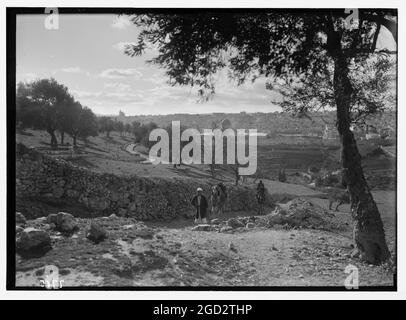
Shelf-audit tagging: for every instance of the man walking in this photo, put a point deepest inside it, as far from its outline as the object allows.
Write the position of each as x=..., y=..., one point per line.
x=199, y=201
x=261, y=188
x=260, y=197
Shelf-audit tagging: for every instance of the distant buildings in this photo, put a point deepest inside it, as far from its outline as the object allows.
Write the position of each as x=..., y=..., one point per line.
x=121, y=115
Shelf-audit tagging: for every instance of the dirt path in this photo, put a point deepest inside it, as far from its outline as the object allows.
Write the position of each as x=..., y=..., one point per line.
x=175, y=255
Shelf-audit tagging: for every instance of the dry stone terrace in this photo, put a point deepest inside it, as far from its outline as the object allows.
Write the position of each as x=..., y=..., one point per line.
x=56, y=181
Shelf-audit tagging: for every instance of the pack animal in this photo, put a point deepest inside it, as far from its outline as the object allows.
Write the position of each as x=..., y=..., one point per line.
x=338, y=195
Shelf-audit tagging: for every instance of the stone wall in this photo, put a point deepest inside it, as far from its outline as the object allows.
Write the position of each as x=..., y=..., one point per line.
x=43, y=182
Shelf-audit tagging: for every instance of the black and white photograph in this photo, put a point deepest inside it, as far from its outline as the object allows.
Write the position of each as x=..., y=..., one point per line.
x=202, y=148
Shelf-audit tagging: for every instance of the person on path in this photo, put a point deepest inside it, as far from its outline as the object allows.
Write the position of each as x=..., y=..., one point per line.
x=199, y=201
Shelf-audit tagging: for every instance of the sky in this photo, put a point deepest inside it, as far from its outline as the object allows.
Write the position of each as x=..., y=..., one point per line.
x=86, y=54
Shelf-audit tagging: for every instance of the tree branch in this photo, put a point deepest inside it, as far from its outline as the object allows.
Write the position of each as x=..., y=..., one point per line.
x=387, y=23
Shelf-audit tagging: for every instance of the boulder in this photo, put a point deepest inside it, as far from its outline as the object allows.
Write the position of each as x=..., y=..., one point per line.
x=96, y=233
x=128, y=226
x=33, y=241
x=52, y=218
x=215, y=221
x=41, y=220
x=235, y=223
x=66, y=223
x=232, y=247
x=226, y=229
x=202, y=227
x=20, y=219
x=250, y=225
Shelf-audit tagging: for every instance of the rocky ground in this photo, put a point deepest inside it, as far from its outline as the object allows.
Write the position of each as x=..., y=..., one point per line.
x=298, y=244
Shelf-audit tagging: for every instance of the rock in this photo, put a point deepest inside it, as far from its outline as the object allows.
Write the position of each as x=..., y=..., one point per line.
x=52, y=218
x=41, y=220
x=144, y=233
x=65, y=222
x=235, y=223
x=232, y=247
x=20, y=219
x=355, y=253
x=215, y=221
x=226, y=229
x=202, y=227
x=128, y=226
x=250, y=225
x=301, y=213
x=96, y=233
x=33, y=242
x=19, y=229
x=112, y=216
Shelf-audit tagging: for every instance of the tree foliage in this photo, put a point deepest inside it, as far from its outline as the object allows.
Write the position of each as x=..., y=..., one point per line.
x=47, y=105
x=193, y=47
x=372, y=80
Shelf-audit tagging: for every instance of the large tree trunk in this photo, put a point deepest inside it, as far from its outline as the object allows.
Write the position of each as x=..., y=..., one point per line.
x=54, y=141
x=62, y=137
x=369, y=234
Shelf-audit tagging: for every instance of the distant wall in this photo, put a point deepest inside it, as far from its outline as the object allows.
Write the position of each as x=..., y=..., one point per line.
x=44, y=182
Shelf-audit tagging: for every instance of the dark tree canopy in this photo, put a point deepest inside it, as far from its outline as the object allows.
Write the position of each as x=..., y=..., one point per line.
x=106, y=124
x=47, y=105
x=193, y=47
x=41, y=104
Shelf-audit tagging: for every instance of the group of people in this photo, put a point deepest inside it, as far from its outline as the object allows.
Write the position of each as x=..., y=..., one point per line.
x=199, y=201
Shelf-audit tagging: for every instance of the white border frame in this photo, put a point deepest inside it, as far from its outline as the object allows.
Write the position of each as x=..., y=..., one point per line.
x=206, y=295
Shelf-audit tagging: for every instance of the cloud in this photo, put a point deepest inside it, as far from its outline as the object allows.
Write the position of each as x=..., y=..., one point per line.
x=86, y=94
x=118, y=86
x=115, y=73
x=100, y=97
x=72, y=70
x=121, y=22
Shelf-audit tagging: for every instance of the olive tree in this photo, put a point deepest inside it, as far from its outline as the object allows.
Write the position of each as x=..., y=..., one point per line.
x=278, y=44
